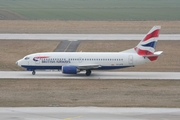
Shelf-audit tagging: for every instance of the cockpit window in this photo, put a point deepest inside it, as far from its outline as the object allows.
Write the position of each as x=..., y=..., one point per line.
x=26, y=58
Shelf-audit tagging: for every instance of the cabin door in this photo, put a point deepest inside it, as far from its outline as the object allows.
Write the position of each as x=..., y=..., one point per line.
x=130, y=59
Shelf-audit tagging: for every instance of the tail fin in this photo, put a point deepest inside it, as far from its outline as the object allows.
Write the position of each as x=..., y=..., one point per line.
x=147, y=45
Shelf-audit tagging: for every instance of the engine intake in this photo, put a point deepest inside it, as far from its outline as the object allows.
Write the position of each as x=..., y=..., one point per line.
x=69, y=69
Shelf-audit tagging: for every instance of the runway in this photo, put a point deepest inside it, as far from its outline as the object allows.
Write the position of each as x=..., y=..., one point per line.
x=94, y=75
x=74, y=37
x=89, y=113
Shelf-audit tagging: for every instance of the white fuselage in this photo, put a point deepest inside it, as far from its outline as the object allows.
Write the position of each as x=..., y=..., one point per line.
x=55, y=60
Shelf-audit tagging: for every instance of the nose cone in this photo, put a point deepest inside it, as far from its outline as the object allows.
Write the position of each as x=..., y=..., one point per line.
x=18, y=63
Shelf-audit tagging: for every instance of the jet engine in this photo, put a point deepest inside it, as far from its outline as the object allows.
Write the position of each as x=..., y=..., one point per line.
x=70, y=70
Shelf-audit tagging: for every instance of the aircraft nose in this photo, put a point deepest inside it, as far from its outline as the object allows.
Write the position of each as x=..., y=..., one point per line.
x=18, y=63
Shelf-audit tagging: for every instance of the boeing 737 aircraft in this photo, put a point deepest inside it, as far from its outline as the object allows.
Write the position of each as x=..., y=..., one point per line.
x=75, y=62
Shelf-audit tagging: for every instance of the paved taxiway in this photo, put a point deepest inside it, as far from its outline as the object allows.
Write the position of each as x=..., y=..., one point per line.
x=94, y=75
x=72, y=37
x=67, y=46
x=89, y=113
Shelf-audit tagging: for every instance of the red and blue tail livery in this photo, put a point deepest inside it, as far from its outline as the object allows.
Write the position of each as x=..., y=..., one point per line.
x=147, y=45
x=75, y=62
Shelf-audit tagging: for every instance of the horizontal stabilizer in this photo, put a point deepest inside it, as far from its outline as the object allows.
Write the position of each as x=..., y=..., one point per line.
x=154, y=55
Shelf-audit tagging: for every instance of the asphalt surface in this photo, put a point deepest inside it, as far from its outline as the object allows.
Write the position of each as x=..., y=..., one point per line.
x=72, y=46
x=74, y=37
x=62, y=46
x=67, y=46
x=89, y=113
x=94, y=75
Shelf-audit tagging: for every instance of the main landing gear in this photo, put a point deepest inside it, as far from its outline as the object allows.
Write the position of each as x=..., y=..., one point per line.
x=88, y=72
x=33, y=72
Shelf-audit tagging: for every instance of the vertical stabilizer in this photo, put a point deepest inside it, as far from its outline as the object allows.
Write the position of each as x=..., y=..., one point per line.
x=147, y=45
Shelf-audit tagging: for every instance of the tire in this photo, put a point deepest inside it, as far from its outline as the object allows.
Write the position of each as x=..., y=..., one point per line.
x=33, y=72
x=88, y=72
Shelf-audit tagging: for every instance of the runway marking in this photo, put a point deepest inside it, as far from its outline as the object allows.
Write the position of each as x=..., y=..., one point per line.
x=67, y=46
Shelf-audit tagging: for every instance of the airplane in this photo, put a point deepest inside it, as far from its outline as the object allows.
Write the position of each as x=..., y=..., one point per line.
x=75, y=62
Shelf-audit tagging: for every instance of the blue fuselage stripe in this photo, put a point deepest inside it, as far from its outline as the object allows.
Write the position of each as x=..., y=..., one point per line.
x=59, y=67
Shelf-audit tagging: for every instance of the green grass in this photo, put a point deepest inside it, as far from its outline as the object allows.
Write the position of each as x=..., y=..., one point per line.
x=94, y=9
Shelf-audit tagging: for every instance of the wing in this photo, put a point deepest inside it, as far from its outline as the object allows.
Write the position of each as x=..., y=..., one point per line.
x=88, y=66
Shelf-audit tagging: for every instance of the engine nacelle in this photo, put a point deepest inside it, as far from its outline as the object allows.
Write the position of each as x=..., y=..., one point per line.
x=69, y=69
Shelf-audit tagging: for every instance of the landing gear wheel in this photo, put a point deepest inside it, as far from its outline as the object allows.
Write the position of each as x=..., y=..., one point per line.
x=88, y=72
x=33, y=72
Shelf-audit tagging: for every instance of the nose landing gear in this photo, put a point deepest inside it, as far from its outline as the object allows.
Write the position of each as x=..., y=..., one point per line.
x=33, y=72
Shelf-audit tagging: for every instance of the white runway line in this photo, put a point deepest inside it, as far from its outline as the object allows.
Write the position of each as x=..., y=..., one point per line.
x=94, y=75
x=88, y=113
x=74, y=37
